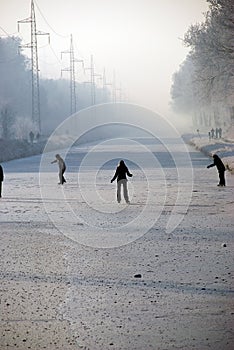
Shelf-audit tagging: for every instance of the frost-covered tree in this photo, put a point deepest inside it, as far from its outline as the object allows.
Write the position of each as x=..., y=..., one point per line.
x=181, y=89
x=7, y=120
x=16, y=90
x=212, y=57
x=15, y=77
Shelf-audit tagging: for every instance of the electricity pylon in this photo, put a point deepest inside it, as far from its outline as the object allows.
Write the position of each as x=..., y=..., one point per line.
x=36, y=118
x=120, y=93
x=104, y=86
x=114, y=88
x=71, y=69
x=92, y=81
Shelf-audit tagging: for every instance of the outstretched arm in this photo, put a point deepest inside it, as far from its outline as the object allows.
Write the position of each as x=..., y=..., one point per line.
x=128, y=173
x=115, y=176
x=210, y=166
x=54, y=161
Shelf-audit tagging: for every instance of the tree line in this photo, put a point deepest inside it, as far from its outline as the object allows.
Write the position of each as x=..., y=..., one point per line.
x=16, y=95
x=203, y=87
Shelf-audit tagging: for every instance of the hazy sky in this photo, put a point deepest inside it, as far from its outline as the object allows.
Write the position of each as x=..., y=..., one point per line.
x=140, y=39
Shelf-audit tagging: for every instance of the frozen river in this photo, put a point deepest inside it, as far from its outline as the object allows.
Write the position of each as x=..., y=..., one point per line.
x=69, y=253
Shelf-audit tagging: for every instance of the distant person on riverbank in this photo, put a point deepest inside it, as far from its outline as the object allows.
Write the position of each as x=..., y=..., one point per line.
x=198, y=133
x=31, y=137
x=1, y=180
x=212, y=133
x=220, y=133
x=120, y=174
x=62, y=168
x=220, y=167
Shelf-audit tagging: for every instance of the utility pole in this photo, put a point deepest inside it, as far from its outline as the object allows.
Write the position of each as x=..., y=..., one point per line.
x=71, y=69
x=114, y=88
x=104, y=85
x=120, y=93
x=36, y=118
x=92, y=81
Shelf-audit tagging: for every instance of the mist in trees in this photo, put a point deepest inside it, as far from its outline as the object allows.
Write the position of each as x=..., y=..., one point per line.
x=204, y=84
x=14, y=85
x=16, y=95
x=7, y=120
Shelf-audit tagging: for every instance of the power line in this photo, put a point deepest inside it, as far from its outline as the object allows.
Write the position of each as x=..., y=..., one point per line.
x=55, y=55
x=43, y=46
x=11, y=36
x=54, y=31
x=62, y=36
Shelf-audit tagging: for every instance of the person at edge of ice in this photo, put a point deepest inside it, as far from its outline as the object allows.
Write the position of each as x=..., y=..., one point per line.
x=220, y=167
x=62, y=168
x=1, y=180
x=120, y=174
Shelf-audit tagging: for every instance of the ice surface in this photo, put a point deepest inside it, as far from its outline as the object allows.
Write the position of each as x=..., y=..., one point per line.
x=66, y=285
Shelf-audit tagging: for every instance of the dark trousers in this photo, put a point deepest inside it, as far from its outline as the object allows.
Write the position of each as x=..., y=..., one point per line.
x=123, y=183
x=221, y=178
x=61, y=177
x=0, y=189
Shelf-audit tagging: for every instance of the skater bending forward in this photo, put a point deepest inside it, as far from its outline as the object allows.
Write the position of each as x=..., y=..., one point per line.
x=120, y=174
x=220, y=167
x=62, y=168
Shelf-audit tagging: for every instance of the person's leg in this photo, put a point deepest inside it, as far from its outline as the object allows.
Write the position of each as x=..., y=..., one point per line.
x=224, y=182
x=60, y=177
x=0, y=189
x=63, y=178
x=221, y=178
x=125, y=189
x=119, y=183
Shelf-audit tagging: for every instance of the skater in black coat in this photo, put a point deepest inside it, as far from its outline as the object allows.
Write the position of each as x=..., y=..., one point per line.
x=1, y=180
x=220, y=167
x=120, y=174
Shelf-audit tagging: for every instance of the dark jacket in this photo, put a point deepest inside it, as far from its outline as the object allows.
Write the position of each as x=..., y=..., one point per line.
x=218, y=163
x=1, y=174
x=121, y=172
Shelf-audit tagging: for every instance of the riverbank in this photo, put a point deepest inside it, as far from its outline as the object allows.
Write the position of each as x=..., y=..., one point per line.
x=15, y=149
x=224, y=148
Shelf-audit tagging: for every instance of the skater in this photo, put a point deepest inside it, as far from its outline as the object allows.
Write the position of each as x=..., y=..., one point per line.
x=31, y=137
x=220, y=133
x=62, y=168
x=120, y=174
x=1, y=180
x=198, y=132
x=220, y=167
x=212, y=133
